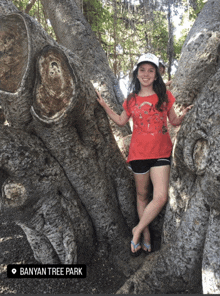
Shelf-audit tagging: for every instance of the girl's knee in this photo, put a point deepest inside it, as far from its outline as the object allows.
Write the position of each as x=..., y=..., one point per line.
x=142, y=195
x=161, y=199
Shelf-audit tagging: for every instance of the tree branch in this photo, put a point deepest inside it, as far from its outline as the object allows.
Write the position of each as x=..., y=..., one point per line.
x=29, y=6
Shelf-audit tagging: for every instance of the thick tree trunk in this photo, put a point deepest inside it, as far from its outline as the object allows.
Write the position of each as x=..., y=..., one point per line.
x=79, y=4
x=65, y=182
x=73, y=31
x=52, y=100
x=88, y=155
x=210, y=263
x=189, y=257
x=7, y=7
x=170, y=50
x=200, y=55
x=37, y=195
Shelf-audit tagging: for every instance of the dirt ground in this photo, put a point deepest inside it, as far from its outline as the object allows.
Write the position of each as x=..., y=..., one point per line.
x=102, y=277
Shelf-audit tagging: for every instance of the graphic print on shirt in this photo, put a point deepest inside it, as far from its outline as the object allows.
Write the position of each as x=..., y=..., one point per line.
x=150, y=137
x=148, y=119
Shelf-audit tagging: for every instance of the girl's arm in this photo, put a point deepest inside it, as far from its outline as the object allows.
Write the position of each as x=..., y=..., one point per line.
x=174, y=119
x=120, y=120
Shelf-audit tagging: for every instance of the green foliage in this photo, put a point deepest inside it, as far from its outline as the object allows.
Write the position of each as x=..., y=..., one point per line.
x=193, y=13
x=97, y=15
x=178, y=43
x=125, y=32
x=160, y=34
x=37, y=13
x=126, y=28
x=21, y=5
x=188, y=18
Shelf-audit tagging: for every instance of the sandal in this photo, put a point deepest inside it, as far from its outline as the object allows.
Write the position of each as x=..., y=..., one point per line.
x=148, y=247
x=138, y=252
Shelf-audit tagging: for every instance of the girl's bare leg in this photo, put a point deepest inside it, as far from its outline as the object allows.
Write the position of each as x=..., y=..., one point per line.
x=142, y=182
x=160, y=179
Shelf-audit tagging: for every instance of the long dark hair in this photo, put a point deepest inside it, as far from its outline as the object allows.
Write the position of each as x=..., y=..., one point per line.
x=158, y=86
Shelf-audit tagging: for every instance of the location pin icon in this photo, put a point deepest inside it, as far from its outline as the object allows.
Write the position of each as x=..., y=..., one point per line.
x=14, y=271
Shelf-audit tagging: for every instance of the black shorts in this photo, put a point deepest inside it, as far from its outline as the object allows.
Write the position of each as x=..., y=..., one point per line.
x=143, y=166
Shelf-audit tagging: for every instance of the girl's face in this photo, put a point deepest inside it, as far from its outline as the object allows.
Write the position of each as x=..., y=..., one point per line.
x=146, y=75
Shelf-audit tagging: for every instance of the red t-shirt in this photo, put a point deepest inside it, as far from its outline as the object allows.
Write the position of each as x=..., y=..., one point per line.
x=150, y=137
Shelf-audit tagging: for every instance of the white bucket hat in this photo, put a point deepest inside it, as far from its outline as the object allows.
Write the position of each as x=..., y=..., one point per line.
x=148, y=57
x=162, y=63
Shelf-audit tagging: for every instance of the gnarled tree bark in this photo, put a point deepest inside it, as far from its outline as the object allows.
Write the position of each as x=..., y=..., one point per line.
x=65, y=182
x=53, y=101
x=188, y=259
x=200, y=55
x=36, y=195
x=73, y=31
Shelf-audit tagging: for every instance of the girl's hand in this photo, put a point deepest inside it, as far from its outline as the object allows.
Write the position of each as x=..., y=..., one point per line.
x=100, y=99
x=121, y=120
x=174, y=119
x=185, y=110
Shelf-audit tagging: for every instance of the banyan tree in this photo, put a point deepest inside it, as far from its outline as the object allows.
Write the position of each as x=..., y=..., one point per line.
x=63, y=178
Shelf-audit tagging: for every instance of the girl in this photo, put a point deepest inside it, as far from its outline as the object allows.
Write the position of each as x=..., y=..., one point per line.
x=149, y=105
